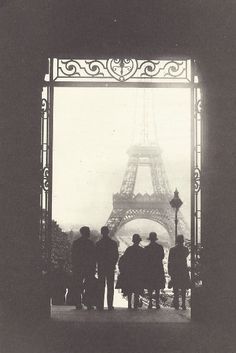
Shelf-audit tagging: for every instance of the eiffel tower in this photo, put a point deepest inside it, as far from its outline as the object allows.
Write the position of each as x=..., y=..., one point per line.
x=127, y=205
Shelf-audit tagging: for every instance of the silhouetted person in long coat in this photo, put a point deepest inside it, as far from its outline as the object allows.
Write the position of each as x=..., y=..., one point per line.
x=83, y=263
x=107, y=257
x=154, y=271
x=133, y=260
x=178, y=270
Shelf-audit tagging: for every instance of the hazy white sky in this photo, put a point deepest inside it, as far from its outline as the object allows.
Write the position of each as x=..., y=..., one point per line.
x=93, y=128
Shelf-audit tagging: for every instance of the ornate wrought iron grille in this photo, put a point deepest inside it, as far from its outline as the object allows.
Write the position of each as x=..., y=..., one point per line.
x=120, y=70
x=46, y=173
x=121, y=73
x=196, y=246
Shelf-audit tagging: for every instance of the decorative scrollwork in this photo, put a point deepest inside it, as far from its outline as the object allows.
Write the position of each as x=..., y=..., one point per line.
x=122, y=69
x=174, y=69
x=167, y=69
x=150, y=68
x=70, y=68
x=45, y=181
x=95, y=68
x=198, y=106
x=44, y=106
x=197, y=180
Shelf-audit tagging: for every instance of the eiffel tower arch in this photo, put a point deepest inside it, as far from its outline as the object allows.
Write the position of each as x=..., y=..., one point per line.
x=128, y=206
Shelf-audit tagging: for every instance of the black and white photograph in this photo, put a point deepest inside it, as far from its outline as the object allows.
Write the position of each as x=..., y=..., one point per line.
x=118, y=155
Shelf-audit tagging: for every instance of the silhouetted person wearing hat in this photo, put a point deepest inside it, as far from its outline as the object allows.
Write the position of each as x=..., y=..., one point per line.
x=83, y=264
x=178, y=270
x=107, y=257
x=154, y=271
x=133, y=271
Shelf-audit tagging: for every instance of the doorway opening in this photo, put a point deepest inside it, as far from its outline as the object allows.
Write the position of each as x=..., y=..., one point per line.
x=118, y=136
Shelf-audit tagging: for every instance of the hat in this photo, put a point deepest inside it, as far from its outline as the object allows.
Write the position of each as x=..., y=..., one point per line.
x=180, y=238
x=136, y=238
x=152, y=236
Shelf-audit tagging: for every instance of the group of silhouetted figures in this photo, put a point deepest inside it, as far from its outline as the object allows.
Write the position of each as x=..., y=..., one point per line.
x=139, y=269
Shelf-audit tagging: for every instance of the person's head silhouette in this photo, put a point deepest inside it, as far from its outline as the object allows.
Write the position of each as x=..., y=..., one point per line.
x=136, y=239
x=153, y=237
x=85, y=232
x=180, y=239
x=105, y=231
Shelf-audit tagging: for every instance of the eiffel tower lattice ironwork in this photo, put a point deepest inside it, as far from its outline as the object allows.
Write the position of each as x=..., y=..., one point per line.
x=128, y=206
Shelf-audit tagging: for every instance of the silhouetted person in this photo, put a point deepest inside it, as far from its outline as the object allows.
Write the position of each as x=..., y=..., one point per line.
x=83, y=264
x=107, y=257
x=132, y=271
x=178, y=270
x=121, y=280
x=59, y=283
x=71, y=295
x=154, y=271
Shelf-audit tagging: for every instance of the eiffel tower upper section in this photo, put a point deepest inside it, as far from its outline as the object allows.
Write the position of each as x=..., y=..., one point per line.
x=145, y=151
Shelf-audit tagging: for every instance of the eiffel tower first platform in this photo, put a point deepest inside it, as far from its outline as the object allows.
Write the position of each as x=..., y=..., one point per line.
x=128, y=206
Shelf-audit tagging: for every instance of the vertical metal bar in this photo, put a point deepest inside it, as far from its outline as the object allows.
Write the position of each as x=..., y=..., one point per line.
x=203, y=143
x=57, y=61
x=176, y=224
x=196, y=164
x=50, y=164
x=41, y=183
x=44, y=173
x=46, y=165
x=192, y=180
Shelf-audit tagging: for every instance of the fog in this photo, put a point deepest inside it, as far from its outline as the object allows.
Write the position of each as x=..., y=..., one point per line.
x=94, y=127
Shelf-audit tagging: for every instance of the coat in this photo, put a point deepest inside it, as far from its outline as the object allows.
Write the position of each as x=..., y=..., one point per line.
x=83, y=257
x=177, y=267
x=106, y=255
x=154, y=270
x=131, y=277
